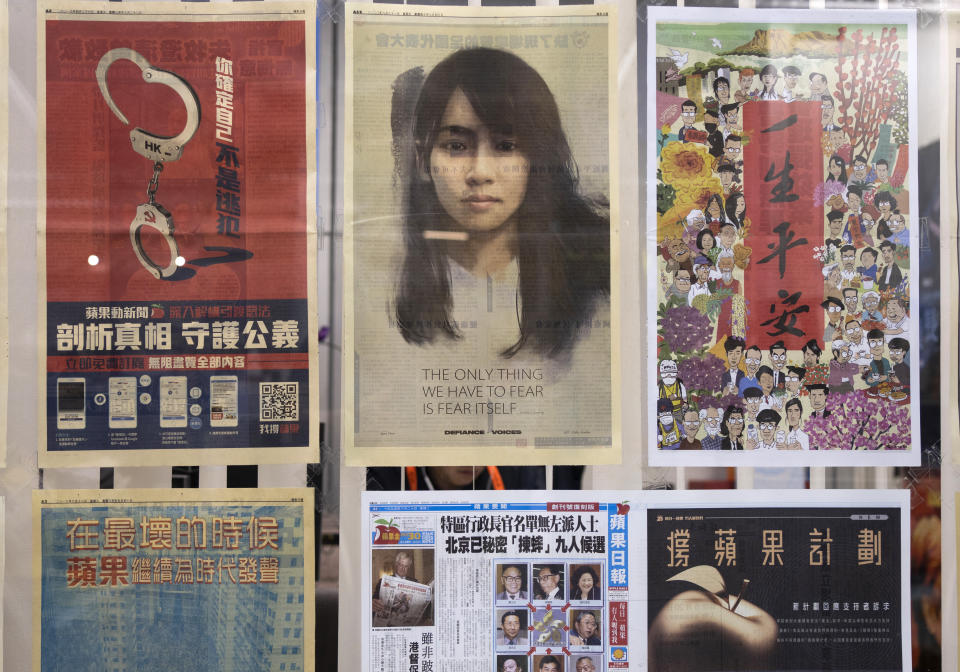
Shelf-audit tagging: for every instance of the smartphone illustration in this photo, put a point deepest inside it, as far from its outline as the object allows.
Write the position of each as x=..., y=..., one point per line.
x=71, y=403
x=224, y=411
x=173, y=401
x=123, y=403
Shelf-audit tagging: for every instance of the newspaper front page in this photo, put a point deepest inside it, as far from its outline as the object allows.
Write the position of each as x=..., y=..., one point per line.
x=782, y=239
x=481, y=236
x=177, y=246
x=598, y=581
x=162, y=579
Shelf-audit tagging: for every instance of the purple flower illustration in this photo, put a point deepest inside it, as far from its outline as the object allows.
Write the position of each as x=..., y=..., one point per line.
x=685, y=329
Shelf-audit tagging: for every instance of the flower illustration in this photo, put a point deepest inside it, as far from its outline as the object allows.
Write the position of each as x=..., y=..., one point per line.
x=685, y=329
x=685, y=163
x=702, y=373
x=861, y=422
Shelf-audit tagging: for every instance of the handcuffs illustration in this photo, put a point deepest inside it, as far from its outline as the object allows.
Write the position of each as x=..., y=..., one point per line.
x=156, y=148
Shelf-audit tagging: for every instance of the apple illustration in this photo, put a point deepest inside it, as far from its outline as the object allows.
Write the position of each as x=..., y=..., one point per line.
x=709, y=629
x=386, y=532
x=623, y=508
x=156, y=311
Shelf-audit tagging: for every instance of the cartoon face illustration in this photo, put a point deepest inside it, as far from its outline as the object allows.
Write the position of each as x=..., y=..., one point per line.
x=792, y=382
x=860, y=170
x=850, y=300
x=752, y=361
x=826, y=112
x=887, y=252
x=703, y=273
x=835, y=167
x=711, y=421
x=731, y=149
x=793, y=414
x=854, y=202
x=728, y=236
x=852, y=331
x=725, y=264
x=723, y=92
x=894, y=310
x=818, y=399
x=735, y=423
x=836, y=227
x=767, y=431
x=766, y=383
x=678, y=250
x=818, y=85
x=897, y=222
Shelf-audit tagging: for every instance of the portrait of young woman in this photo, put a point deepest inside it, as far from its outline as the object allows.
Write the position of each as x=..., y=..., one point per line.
x=495, y=195
x=481, y=263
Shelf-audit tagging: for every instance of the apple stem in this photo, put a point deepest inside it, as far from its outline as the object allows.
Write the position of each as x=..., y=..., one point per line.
x=743, y=590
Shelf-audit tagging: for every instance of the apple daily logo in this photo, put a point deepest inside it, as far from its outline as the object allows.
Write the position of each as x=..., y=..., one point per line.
x=386, y=533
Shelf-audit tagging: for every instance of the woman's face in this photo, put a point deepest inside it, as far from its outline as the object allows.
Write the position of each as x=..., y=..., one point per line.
x=479, y=173
x=707, y=242
x=741, y=205
x=768, y=79
x=835, y=168
x=585, y=583
x=713, y=209
x=884, y=208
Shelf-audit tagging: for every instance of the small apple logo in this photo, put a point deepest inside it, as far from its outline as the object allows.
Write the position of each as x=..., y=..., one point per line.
x=156, y=311
x=623, y=508
x=701, y=630
x=386, y=532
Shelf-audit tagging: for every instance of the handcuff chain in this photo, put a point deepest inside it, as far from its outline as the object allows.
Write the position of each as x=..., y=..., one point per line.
x=154, y=182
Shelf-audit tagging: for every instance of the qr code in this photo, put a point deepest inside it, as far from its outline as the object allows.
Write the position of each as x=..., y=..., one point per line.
x=280, y=402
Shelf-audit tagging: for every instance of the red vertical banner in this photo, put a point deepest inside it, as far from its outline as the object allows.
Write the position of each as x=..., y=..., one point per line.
x=782, y=164
x=618, y=624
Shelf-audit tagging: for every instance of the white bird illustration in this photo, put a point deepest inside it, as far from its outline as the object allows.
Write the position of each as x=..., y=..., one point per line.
x=716, y=42
x=679, y=59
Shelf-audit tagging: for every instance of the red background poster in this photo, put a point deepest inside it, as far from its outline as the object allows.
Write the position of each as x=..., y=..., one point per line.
x=783, y=163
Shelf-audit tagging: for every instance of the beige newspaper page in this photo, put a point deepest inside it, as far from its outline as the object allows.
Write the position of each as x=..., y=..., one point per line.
x=177, y=244
x=133, y=579
x=4, y=174
x=949, y=218
x=480, y=321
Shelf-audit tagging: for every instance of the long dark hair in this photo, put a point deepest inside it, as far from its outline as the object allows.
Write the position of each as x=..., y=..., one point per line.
x=731, y=208
x=719, y=199
x=843, y=169
x=563, y=239
x=768, y=69
x=731, y=410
